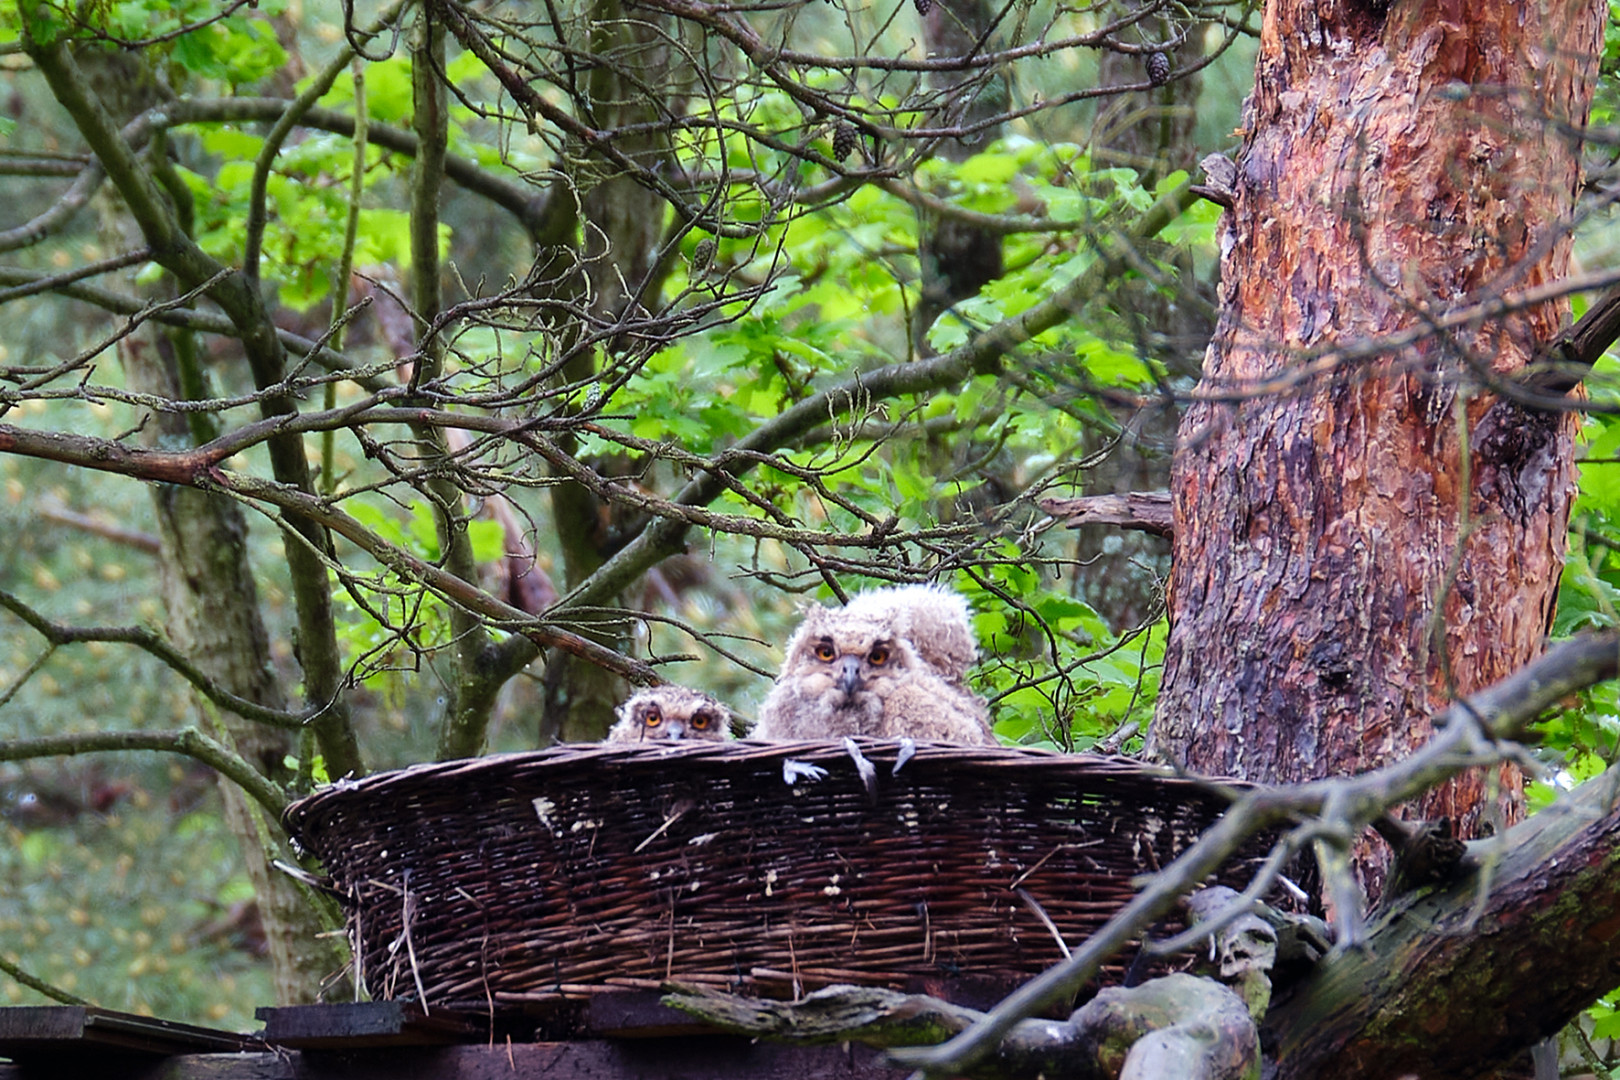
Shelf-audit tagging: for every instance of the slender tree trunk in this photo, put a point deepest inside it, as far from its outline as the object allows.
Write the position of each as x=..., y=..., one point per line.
x=1356, y=544
x=214, y=619
x=957, y=259
x=623, y=226
x=208, y=588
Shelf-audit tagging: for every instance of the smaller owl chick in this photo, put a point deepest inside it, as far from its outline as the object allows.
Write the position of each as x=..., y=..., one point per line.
x=935, y=619
x=673, y=713
x=848, y=672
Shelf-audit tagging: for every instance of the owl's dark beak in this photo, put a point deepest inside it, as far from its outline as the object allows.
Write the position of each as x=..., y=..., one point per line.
x=849, y=674
x=675, y=729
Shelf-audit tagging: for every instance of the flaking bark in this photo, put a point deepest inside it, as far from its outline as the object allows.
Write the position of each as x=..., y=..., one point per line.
x=1356, y=546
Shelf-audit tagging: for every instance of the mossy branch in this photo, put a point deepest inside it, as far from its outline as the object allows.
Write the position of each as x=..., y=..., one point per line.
x=1178, y=1026
x=1468, y=734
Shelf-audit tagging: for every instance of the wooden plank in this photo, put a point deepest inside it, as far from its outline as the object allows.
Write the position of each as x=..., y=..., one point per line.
x=29, y=1031
x=353, y=1025
x=707, y=1058
x=636, y=1014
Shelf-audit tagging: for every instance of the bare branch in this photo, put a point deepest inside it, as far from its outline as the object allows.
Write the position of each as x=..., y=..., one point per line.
x=59, y=634
x=1147, y=511
x=59, y=214
x=187, y=741
x=199, y=468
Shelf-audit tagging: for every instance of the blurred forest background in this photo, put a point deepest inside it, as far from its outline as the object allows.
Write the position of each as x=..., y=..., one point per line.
x=795, y=200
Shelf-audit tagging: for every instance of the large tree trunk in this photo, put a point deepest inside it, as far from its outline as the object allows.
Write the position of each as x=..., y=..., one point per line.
x=1355, y=545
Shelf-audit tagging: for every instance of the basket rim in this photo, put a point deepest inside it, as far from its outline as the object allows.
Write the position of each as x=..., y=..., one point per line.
x=751, y=754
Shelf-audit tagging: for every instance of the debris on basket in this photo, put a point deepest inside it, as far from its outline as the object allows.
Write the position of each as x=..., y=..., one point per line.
x=794, y=771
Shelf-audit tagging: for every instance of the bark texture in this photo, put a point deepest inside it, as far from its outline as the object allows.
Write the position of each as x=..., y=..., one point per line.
x=1398, y=162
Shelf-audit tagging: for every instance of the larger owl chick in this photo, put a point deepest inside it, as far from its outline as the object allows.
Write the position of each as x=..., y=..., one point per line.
x=935, y=619
x=671, y=713
x=849, y=672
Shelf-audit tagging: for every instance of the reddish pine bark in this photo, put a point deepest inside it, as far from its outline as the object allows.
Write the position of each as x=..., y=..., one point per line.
x=1397, y=165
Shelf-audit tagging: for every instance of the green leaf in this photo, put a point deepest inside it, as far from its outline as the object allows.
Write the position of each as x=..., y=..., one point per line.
x=487, y=539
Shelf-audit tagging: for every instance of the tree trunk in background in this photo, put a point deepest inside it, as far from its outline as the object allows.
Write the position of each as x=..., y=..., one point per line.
x=213, y=618
x=1346, y=558
x=956, y=259
x=1153, y=134
x=623, y=229
x=209, y=594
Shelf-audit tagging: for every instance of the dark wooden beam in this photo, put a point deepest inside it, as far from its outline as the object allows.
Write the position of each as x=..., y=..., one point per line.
x=355, y=1025
x=710, y=1058
x=82, y=1031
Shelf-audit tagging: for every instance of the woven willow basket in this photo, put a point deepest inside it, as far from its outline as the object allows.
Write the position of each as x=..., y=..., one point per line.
x=527, y=877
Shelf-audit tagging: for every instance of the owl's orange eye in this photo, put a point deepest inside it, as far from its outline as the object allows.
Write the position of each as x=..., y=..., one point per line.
x=653, y=718
x=702, y=720
x=878, y=656
x=826, y=653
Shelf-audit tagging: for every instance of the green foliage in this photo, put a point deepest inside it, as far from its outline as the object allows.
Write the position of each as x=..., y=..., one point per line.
x=395, y=621
x=307, y=204
x=137, y=910
x=1606, y=1016
x=183, y=33
x=1059, y=676
x=1582, y=738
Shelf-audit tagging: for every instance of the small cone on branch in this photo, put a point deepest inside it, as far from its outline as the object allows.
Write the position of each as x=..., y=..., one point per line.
x=1158, y=68
x=844, y=138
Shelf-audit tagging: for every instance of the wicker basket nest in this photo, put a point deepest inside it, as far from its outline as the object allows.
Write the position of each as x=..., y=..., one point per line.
x=537, y=876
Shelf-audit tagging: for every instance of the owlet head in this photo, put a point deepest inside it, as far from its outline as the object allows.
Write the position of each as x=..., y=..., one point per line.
x=673, y=713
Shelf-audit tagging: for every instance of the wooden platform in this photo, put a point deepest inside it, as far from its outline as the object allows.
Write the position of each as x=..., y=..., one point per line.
x=390, y=1040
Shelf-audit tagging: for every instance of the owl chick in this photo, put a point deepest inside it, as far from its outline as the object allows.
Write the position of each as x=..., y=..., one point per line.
x=673, y=713
x=851, y=672
x=933, y=618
